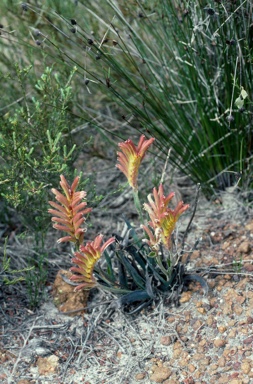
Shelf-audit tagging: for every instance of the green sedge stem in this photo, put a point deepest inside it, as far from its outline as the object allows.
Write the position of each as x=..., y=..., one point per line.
x=137, y=204
x=159, y=262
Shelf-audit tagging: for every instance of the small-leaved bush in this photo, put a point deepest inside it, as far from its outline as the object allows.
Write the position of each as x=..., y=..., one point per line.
x=36, y=144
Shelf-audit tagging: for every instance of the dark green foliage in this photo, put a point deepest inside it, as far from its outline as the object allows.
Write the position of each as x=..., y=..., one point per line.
x=140, y=279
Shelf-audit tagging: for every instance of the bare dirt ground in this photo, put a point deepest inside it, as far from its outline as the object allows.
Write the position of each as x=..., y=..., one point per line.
x=207, y=339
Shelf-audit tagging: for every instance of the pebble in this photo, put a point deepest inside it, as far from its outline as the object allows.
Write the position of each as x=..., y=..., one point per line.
x=160, y=374
x=219, y=343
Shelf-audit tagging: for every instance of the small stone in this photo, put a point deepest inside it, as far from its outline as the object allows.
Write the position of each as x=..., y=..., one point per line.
x=222, y=329
x=248, y=267
x=249, y=340
x=226, y=352
x=249, y=320
x=209, y=321
x=205, y=361
x=160, y=374
x=236, y=366
x=213, y=368
x=23, y=381
x=249, y=226
x=140, y=376
x=245, y=367
x=177, y=353
x=242, y=284
x=212, y=284
x=191, y=368
x=244, y=247
x=250, y=374
x=225, y=245
x=195, y=255
x=221, y=362
x=197, y=374
x=201, y=350
x=214, y=261
x=47, y=365
x=227, y=308
x=238, y=309
x=201, y=310
x=250, y=294
x=197, y=325
x=250, y=303
x=240, y=299
x=219, y=343
x=166, y=340
x=202, y=342
x=185, y=297
x=231, y=323
x=197, y=356
x=183, y=363
x=233, y=351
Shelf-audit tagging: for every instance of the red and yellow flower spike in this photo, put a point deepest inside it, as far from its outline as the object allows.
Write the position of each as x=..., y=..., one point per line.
x=86, y=259
x=130, y=157
x=69, y=216
x=163, y=219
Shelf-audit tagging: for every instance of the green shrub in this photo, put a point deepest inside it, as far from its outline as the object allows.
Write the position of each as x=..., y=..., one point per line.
x=35, y=145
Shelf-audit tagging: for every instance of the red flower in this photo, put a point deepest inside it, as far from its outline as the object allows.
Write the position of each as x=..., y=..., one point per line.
x=163, y=219
x=86, y=259
x=130, y=157
x=69, y=216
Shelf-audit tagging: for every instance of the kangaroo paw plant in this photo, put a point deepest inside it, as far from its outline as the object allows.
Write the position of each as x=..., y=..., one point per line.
x=140, y=270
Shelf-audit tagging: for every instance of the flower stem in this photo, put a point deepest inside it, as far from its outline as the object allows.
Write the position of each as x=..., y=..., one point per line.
x=137, y=204
x=159, y=262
